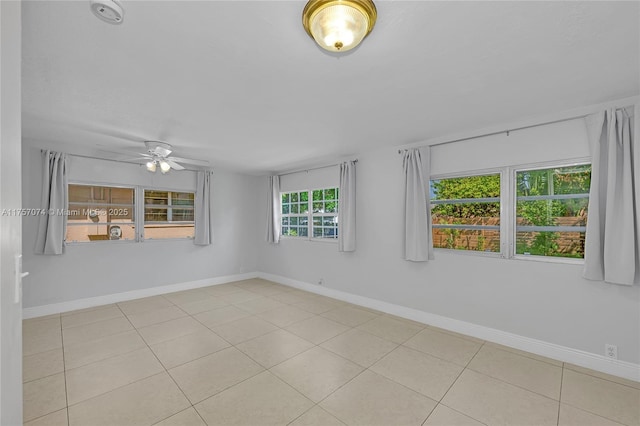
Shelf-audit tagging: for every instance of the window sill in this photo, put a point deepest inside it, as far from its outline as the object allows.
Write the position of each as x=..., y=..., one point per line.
x=312, y=240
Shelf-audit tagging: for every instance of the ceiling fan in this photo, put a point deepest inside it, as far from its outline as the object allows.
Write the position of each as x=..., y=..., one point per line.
x=158, y=155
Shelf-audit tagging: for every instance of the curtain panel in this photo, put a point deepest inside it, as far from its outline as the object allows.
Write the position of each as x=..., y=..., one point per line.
x=273, y=210
x=613, y=226
x=204, y=209
x=418, y=243
x=347, y=207
x=52, y=226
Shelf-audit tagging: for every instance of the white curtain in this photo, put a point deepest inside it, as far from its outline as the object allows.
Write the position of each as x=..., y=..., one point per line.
x=347, y=207
x=204, y=209
x=52, y=226
x=613, y=227
x=273, y=210
x=418, y=245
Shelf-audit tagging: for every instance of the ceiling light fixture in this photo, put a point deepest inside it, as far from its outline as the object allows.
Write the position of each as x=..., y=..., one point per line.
x=109, y=11
x=339, y=25
x=164, y=166
x=151, y=166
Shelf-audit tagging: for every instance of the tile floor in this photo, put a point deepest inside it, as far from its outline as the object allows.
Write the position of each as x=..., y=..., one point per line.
x=259, y=353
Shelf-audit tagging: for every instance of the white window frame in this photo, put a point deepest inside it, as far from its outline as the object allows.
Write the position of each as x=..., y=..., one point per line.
x=503, y=228
x=309, y=216
x=513, y=204
x=138, y=214
x=508, y=201
x=109, y=185
x=143, y=206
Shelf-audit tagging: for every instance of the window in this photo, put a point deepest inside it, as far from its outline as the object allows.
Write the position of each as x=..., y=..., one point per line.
x=100, y=213
x=551, y=211
x=168, y=214
x=465, y=213
x=310, y=214
x=543, y=215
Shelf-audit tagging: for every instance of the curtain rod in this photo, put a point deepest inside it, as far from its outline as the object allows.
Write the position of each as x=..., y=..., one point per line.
x=507, y=131
x=313, y=168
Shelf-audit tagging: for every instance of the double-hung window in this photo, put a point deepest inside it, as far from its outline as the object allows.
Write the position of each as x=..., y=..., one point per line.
x=551, y=211
x=100, y=212
x=465, y=212
x=168, y=214
x=310, y=214
x=523, y=212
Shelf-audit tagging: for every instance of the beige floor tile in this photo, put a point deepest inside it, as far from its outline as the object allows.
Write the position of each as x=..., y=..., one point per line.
x=90, y=308
x=604, y=376
x=147, y=304
x=41, y=327
x=96, y=330
x=349, y=316
x=188, y=348
x=316, y=305
x=57, y=418
x=444, y=415
x=492, y=401
x=292, y=297
x=214, y=373
x=416, y=370
x=275, y=347
x=391, y=329
x=32, y=345
x=571, y=416
x=169, y=330
x=91, y=316
x=262, y=304
x=156, y=316
x=41, y=336
x=360, y=347
x=103, y=376
x=203, y=305
x=285, y=316
x=316, y=417
x=188, y=417
x=219, y=290
x=270, y=290
x=526, y=354
x=42, y=365
x=243, y=329
x=371, y=399
x=262, y=400
x=106, y=347
x=221, y=316
x=125, y=406
x=598, y=396
x=240, y=296
x=44, y=317
x=43, y=396
x=445, y=346
x=317, y=329
x=186, y=296
x=460, y=335
x=317, y=372
x=528, y=373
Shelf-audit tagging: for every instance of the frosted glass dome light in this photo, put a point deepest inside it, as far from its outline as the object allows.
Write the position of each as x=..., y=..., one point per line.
x=339, y=25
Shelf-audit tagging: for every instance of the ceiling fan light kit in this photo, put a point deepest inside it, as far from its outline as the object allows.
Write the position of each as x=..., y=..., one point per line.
x=109, y=11
x=339, y=25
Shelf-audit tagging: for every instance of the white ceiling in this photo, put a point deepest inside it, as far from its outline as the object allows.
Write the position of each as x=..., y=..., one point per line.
x=241, y=84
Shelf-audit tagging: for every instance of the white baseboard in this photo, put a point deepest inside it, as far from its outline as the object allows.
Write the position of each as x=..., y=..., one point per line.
x=589, y=360
x=56, y=308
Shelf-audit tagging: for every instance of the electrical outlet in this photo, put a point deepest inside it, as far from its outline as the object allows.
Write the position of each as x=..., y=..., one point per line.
x=611, y=351
x=321, y=281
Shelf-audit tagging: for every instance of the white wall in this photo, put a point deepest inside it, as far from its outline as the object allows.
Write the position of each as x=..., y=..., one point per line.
x=103, y=268
x=539, y=300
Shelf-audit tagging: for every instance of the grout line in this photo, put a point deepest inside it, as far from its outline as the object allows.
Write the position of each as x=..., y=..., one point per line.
x=64, y=370
x=560, y=394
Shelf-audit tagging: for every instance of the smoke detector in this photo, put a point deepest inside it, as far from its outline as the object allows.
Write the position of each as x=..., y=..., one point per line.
x=109, y=11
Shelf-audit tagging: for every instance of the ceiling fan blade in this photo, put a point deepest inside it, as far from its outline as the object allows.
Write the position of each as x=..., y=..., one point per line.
x=135, y=159
x=189, y=161
x=173, y=164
